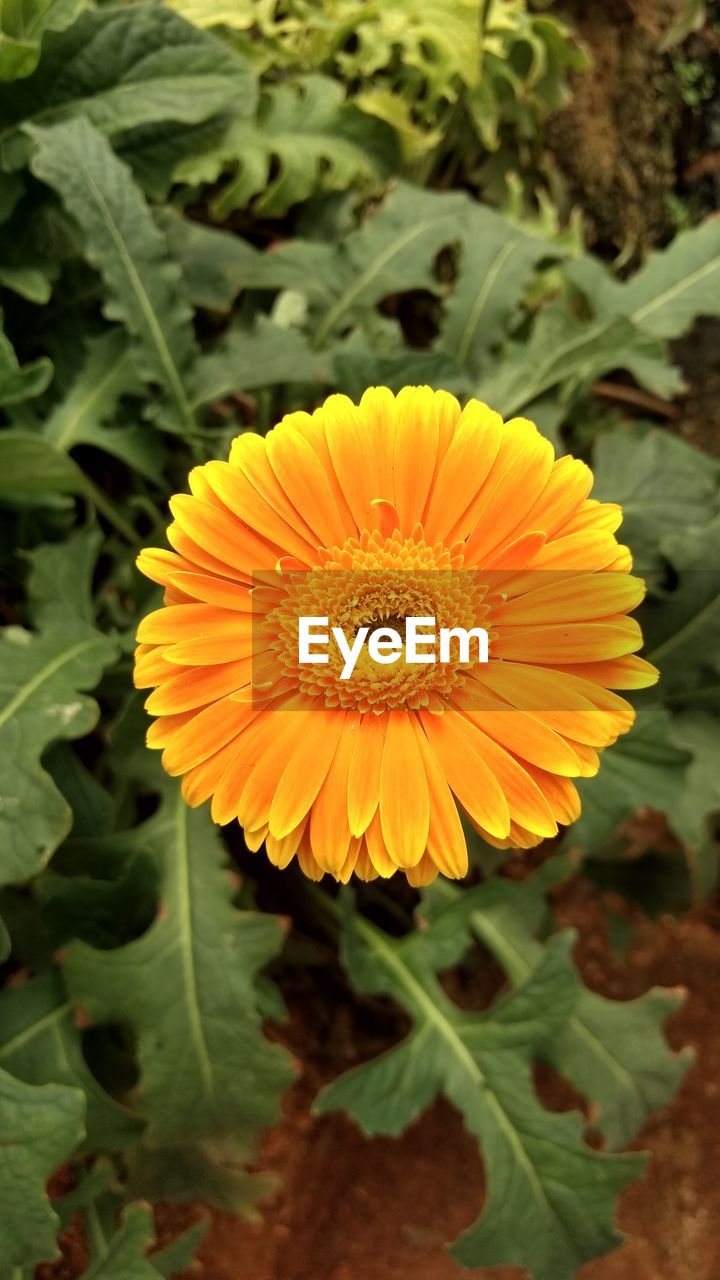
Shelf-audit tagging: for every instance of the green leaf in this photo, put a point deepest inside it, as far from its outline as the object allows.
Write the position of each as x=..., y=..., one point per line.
x=683, y=628
x=29, y=466
x=126, y=1255
x=41, y=701
x=185, y=1173
x=62, y=572
x=357, y=369
x=644, y=768
x=124, y=244
x=539, y=1172
x=105, y=375
x=108, y=373
x=392, y=252
x=40, y=1044
x=18, y=384
x=121, y=67
x=677, y=284
x=40, y=1126
x=207, y=1070
x=263, y=356
x=496, y=265
x=565, y=352
x=214, y=263
x=663, y=485
x=179, y=1254
x=305, y=139
x=27, y=282
x=693, y=813
x=22, y=26
x=612, y=1051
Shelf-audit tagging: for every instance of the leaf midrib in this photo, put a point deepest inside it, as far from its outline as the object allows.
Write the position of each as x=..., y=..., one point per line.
x=347, y=299
x=156, y=333
x=462, y=1053
x=67, y=434
x=187, y=952
x=501, y=944
x=45, y=673
x=668, y=295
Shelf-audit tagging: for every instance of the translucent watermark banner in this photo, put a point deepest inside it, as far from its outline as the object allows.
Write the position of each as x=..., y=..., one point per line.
x=534, y=640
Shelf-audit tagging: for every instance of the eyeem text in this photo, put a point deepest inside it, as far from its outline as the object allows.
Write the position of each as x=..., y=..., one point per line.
x=385, y=644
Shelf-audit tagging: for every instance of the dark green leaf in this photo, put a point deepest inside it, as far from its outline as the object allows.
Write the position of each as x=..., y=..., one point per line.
x=207, y=1069
x=179, y=1254
x=214, y=263
x=40, y=1044
x=644, y=768
x=305, y=139
x=612, y=1051
x=496, y=266
x=123, y=242
x=538, y=1169
x=16, y=383
x=662, y=484
x=22, y=26
x=120, y=67
x=40, y=1126
x=126, y=1254
x=566, y=352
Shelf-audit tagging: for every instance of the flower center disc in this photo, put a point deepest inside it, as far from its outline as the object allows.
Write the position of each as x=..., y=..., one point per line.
x=375, y=582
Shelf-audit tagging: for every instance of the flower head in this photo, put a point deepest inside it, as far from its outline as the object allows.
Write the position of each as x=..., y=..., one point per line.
x=366, y=515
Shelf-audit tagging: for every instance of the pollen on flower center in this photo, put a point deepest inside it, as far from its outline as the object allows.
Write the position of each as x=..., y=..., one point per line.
x=375, y=581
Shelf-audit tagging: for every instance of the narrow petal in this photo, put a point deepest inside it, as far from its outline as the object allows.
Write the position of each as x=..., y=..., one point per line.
x=404, y=795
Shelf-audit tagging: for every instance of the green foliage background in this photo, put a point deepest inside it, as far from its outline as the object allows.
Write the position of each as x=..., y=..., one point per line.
x=211, y=214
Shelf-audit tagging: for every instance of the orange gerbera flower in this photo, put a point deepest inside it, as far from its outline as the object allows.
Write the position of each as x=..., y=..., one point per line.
x=402, y=506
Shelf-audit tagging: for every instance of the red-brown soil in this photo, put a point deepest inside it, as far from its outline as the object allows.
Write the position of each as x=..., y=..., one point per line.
x=350, y=1208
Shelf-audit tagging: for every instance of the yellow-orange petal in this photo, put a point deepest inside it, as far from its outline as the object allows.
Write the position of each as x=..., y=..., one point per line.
x=452, y=739
x=404, y=795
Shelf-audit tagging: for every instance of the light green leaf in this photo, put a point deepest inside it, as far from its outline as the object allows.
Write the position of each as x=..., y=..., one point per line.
x=644, y=768
x=121, y=67
x=40, y=1044
x=690, y=16
x=496, y=265
x=28, y=282
x=126, y=1255
x=123, y=242
x=538, y=1169
x=29, y=466
x=612, y=1051
x=22, y=26
x=41, y=701
x=207, y=1070
x=40, y=1126
x=666, y=296
x=662, y=484
x=16, y=383
x=315, y=140
x=565, y=352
